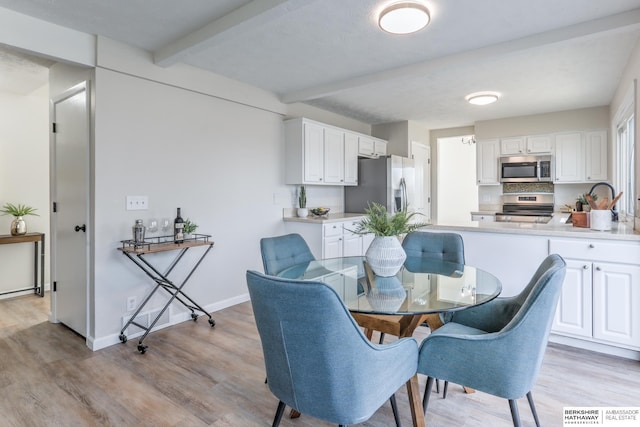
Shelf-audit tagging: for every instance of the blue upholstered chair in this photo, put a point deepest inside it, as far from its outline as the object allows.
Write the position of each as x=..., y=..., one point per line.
x=318, y=361
x=447, y=247
x=497, y=347
x=429, y=246
x=281, y=252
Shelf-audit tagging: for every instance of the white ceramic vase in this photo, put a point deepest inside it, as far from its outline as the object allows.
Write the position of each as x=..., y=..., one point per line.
x=303, y=212
x=387, y=294
x=386, y=255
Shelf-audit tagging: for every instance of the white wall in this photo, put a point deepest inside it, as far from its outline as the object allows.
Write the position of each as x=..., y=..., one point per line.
x=24, y=179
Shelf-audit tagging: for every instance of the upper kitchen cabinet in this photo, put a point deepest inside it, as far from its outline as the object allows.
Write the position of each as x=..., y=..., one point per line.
x=581, y=157
x=526, y=145
x=487, y=154
x=371, y=147
x=319, y=154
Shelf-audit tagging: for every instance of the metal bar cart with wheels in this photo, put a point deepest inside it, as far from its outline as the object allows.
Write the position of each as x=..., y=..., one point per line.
x=137, y=251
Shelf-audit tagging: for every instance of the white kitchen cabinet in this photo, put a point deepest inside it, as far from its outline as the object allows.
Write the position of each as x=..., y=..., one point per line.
x=350, y=159
x=320, y=154
x=331, y=239
x=526, y=145
x=512, y=146
x=595, y=151
x=379, y=147
x=539, y=144
x=333, y=156
x=483, y=217
x=581, y=157
x=487, y=153
x=574, y=314
x=600, y=299
x=616, y=303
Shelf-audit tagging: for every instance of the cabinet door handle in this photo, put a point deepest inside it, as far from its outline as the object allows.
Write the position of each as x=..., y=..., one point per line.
x=598, y=269
x=585, y=267
x=591, y=246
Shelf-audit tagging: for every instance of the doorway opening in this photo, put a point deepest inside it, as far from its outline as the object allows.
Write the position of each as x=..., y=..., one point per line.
x=456, y=178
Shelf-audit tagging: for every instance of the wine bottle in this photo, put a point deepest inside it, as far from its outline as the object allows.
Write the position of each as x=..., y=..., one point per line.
x=178, y=225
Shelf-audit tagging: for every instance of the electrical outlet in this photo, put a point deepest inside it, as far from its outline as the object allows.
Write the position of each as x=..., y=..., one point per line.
x=137, y=203
x=132, y=302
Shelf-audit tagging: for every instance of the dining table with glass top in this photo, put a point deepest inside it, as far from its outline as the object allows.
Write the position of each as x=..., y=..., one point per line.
x=421, y=291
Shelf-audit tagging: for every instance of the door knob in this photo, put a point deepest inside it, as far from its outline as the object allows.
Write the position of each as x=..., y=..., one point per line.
x=83, y=228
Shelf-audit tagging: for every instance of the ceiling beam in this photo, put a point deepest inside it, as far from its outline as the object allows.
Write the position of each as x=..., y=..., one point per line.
x=254, y=14
x=616, y=22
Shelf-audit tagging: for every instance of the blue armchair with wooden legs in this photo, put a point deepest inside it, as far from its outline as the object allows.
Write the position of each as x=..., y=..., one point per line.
x=318, y=361
x=497, y=347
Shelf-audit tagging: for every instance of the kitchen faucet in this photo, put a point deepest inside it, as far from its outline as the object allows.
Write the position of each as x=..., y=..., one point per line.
x=614, y=212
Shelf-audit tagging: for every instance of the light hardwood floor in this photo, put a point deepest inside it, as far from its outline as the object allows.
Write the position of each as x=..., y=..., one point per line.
x=194, y=375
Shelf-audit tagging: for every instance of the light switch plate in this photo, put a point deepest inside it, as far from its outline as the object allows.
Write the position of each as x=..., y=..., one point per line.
x=137, y=203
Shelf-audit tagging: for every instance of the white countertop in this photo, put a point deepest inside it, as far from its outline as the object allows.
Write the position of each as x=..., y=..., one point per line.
x=556, y=227
x=332, y=217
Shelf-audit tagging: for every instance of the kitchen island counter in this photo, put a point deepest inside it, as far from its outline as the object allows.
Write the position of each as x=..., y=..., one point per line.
x=332, y=217
x=557, y=227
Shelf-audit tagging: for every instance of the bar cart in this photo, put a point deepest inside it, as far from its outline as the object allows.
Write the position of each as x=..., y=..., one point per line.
x=137, y=252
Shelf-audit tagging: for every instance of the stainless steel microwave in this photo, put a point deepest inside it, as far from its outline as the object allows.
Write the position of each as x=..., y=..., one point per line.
x=526, y=169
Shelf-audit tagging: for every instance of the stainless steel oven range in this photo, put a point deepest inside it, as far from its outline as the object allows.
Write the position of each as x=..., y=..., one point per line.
x=526, y=207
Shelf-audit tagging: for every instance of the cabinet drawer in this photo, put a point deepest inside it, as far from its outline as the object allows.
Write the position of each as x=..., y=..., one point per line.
x=595, y=250
x=332, y=229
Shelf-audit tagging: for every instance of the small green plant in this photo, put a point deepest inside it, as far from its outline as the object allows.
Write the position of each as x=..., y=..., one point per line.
x=18, y=210
x=302, y=197
x=583, y=198
x=380, y=223
x=189, y=227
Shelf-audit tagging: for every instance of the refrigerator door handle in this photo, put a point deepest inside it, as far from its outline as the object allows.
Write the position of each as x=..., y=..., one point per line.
x=403, y=189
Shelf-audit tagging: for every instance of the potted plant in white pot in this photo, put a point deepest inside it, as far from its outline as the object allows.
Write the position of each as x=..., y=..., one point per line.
x=303, y=212
x=385, y=254
x=18, y=225
x=188, y=228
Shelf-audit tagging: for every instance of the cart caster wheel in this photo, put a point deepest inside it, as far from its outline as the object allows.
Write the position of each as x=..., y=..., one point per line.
x=212, y=322
x=194, y=316
x=123, y=338
x=142, y=348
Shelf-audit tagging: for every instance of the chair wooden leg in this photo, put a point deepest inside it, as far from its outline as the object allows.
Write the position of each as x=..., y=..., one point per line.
x=427, y=392
x=394, y=408
x=513, y=405
x=279, y=412
x=533, y=409
x=294, y=414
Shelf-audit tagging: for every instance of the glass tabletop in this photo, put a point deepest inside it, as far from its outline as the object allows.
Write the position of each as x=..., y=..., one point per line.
x=420, y=287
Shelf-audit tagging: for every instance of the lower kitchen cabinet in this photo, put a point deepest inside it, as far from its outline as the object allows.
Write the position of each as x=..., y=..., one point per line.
x=332, y=239
x=600, y=299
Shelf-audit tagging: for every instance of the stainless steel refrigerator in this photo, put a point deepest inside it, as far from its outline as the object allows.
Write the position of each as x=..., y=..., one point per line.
x=389, y=181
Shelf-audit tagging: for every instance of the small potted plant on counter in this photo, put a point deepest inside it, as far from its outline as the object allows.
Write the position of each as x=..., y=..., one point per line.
x=18, y=226
x=582, y=204
x=303, y=212
x=189, y=228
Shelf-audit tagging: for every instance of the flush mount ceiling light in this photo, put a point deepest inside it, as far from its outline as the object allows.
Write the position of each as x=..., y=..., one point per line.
x=482, y=98
x=404, y=18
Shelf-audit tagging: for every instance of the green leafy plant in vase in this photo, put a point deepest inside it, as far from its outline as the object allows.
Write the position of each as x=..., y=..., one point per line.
x=385, y=254
x=302, y=211
x=18, y=225
x=582, y=204
x=189, y=227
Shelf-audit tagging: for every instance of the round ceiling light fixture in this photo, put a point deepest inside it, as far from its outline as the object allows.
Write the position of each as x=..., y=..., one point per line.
x=404, y=18
x=482, y=98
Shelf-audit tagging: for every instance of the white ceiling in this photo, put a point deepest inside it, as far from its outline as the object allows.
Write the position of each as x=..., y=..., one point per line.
x=542, y=55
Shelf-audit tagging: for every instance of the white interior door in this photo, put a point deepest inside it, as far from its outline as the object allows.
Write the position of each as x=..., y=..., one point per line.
x=70, y=194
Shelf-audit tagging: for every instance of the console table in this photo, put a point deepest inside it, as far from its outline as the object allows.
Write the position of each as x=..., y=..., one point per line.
x=38, y=240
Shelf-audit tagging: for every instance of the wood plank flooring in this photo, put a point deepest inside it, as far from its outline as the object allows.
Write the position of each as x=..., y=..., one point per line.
x=194, y=375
